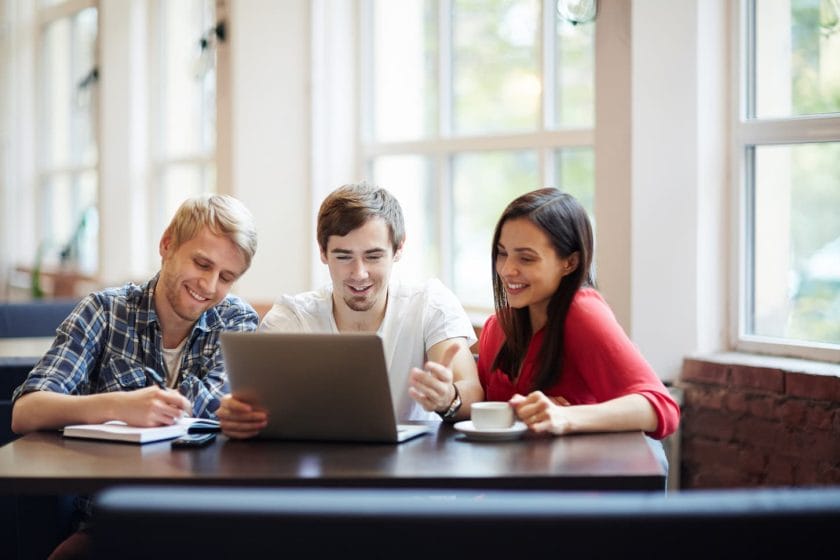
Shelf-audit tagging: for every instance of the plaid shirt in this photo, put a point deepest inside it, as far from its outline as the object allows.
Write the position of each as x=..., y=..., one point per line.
x=112, y=335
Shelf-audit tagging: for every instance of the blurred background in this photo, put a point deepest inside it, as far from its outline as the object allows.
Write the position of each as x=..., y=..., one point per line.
x=702, y=136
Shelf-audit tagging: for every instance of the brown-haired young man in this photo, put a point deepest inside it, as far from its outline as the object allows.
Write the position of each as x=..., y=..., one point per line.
x=424, y=329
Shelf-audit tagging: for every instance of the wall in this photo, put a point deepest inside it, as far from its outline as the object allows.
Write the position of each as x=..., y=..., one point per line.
x=270, y=121
x=678, y=252
x=746, y=424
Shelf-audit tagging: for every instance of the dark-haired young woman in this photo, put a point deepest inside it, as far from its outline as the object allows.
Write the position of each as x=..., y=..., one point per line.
x=554, y=348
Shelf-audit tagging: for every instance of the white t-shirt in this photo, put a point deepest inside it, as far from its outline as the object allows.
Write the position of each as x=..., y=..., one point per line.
x=416, y=318
x=172, y=359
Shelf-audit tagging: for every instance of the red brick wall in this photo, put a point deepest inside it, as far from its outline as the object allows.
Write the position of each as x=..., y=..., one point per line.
x=745, y=426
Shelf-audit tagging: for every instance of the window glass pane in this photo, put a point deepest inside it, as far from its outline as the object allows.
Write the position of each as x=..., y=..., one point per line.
x=71, y=221
x=180, y=182
x=797, y=56
x=796, y=287
x=58, y=92
x=85, y=28
x=409, y=178
x=575, y=74
x=484, y=183
x=495, y=65
x=575, y=172
x=404, y=91
x=188, y=80
x=69, y=58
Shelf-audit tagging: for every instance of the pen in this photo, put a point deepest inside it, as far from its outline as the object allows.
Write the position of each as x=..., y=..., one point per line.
x=154, y=377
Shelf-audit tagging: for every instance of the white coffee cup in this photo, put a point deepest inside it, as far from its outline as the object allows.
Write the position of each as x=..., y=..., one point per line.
x=491, y=415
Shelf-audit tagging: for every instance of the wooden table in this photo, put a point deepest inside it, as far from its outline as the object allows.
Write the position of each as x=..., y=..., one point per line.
x=45, y=463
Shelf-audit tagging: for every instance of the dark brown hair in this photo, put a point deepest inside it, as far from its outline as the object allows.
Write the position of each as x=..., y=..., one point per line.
x=567, y=226
x=349, y=207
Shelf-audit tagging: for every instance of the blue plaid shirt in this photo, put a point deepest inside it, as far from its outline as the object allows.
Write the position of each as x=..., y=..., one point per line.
x=112, y=335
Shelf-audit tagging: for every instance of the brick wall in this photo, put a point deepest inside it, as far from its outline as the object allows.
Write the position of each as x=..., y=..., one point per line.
x=745, y=425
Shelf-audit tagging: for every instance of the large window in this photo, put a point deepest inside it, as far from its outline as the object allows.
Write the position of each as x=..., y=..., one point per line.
x=467, y=104
x=184, y=105
x=67, y=139
x=788, y=148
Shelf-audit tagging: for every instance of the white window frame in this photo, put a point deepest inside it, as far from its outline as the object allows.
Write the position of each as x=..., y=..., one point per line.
x=442, y=148
x=336, y=138
x=747, y=133
x=44, y=172
x=201, y=160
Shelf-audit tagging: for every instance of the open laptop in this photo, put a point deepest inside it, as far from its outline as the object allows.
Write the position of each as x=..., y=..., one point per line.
x=327, y=387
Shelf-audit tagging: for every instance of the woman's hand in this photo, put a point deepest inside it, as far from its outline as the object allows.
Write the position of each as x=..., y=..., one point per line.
x=240, y=420
x=543, y=414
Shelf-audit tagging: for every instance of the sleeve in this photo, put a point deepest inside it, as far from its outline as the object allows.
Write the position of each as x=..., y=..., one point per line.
x=281, y=318
x=66, y=366
x=610, y=363
x=445, y=317
x=206, y=392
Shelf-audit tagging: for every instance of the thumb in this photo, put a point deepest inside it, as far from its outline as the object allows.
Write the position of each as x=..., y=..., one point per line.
x=449, y=355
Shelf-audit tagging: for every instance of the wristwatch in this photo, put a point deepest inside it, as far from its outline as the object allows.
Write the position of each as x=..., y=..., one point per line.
x=453, y=408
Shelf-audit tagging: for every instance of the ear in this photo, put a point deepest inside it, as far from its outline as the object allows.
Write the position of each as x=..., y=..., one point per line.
x=571, y=263
x=323, y=256
x=398, y=252
x=165, y=243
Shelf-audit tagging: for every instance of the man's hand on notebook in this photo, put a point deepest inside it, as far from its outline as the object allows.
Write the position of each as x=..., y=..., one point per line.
x=240, y=420
x=151, y=406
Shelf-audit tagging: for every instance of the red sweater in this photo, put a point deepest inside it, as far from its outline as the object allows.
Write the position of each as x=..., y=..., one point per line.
x=600, y=363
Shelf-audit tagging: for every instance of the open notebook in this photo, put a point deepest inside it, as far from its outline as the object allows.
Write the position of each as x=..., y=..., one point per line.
x=120, y=431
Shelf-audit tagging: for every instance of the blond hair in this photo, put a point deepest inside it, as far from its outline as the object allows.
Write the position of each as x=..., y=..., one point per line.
x=222, y=215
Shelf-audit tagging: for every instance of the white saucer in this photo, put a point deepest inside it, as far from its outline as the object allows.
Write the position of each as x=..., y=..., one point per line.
x=501, y=434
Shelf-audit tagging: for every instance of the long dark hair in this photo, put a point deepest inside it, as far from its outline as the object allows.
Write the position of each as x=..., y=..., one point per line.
x=567, y=226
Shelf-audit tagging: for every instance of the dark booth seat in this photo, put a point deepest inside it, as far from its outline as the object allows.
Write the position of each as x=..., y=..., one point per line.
x=33, y=318
x=335, y=523
x=24, y=320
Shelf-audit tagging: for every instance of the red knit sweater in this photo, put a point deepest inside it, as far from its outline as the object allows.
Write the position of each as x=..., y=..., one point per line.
x=600, y=363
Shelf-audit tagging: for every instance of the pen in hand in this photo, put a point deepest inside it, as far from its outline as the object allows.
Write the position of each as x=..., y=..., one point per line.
x=153, y=377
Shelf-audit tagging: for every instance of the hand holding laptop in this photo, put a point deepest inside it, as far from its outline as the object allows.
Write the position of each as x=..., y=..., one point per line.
x=240, y=420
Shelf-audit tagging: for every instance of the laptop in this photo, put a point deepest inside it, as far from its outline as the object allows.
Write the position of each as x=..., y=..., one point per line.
x=326, y=387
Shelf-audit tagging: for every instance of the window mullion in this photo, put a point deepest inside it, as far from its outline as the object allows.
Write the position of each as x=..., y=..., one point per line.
x=445, y=52
x=548, y=95
x=548, y=51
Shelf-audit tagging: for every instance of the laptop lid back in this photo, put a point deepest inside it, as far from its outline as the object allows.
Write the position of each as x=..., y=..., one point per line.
x=330, y=387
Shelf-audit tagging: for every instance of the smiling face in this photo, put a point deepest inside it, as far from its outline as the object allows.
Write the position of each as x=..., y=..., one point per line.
x=360, y=266
x=530, y=268
x=194, y=277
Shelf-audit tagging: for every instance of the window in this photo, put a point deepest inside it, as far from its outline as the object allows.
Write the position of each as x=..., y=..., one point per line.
x=787, y=142
x=68, y=178
x=465, y=105
x=184, y=106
